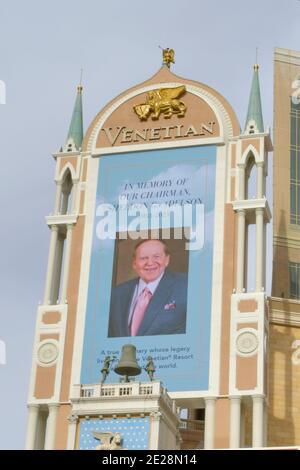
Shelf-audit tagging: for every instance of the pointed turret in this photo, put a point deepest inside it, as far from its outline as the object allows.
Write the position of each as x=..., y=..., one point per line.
x=254, y=121
x=75, y=134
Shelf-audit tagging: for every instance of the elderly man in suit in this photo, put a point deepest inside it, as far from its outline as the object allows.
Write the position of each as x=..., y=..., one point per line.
x=155, y=302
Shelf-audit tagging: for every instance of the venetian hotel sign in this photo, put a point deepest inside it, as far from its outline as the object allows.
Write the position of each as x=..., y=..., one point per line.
x=160, y=103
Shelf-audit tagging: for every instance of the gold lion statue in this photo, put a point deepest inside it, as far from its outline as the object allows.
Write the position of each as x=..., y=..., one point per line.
x=163, y=101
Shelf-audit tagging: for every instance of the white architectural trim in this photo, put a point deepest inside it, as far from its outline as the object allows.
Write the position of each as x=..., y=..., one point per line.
x=75, y=172
x=62, y=154
x=99, y=151
x=217, y=273
x=253, y=204
x=63, y=171
x=65, y=219
x=90, y=203
x=246, y=153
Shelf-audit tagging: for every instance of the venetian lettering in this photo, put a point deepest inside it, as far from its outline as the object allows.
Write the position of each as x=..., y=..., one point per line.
x=112, y=138
x=123, y=135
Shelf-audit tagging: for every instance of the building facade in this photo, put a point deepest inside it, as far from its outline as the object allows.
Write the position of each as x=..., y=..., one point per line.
x=284, y=401
x=174, y=142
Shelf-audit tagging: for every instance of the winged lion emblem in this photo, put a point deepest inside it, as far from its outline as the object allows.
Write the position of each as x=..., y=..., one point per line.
x=109, y=440
x=163, y=100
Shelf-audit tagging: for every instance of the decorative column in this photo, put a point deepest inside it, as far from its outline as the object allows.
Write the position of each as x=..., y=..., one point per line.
x=235, y=422
x=241, y=250
x=243, y=427
x=265, y=444
x=51, y=261
x=66, y=264
x=260, y=180
x=33, y=416
x=155, y=417
x=58, y=198
x=75, y=195
x=260, y=255
x=72, y=420
x=51, y=426
x=209, y=428
x=258, y=421
x=57, y=268
x=65, y=202
x=241, y=182
x=265, y=254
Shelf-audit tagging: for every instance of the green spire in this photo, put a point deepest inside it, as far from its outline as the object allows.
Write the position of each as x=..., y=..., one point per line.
x=75, y=134
x=254, y=121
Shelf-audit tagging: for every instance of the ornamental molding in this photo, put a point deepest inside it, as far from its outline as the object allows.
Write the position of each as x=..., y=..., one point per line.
x=284, y=318
x=247, y=342
x=47, y=352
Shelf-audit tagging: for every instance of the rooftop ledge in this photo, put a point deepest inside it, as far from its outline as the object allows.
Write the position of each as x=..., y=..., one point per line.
x=132, y=390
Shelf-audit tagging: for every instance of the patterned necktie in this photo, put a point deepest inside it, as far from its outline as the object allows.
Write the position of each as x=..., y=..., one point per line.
x=139, y=310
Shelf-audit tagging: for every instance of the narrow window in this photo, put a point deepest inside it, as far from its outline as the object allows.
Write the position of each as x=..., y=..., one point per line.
x=294, y=280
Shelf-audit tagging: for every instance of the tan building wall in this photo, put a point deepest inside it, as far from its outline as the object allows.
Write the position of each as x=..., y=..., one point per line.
x=284, y=378
x=286, y=236
x=284, y=331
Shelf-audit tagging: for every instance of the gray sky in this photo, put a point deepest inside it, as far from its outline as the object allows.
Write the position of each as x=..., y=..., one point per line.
x=43, y=46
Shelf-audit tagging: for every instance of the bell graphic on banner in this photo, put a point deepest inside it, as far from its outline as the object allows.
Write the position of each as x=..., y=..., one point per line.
x=128, y=365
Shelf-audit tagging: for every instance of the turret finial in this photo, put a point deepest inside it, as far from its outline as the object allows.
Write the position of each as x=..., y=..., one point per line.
x=168, y=56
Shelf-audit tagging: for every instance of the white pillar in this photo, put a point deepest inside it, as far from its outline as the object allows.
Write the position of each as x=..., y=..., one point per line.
x=265, y=255
x=57, y=268
x=243, y=426
x=235, y=422
x=260, y=180
x=241, y=182
x=66, y=264
x=58, y=198
x=258, y=421
x=74, y=195
x=33, y=416
x=241, y=251
x=72, y=420
x=51, y=260
x=265, y=424
x=154, y=435
x=209, y=426
x=260, y=255
x=51, y=427
x=65, y=202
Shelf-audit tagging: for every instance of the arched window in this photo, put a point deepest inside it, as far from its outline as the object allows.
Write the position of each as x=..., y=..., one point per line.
x=66, y=195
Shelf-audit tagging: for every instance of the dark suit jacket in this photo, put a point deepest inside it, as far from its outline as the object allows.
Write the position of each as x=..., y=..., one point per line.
x=165, y=314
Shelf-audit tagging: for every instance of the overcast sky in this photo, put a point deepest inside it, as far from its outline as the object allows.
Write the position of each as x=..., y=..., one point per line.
x=43, y=46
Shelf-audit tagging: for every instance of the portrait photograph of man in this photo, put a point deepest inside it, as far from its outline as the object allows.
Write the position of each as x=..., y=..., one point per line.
x=154, y=300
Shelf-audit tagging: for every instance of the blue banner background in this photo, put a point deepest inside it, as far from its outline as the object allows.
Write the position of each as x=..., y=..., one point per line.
x=192, y=369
